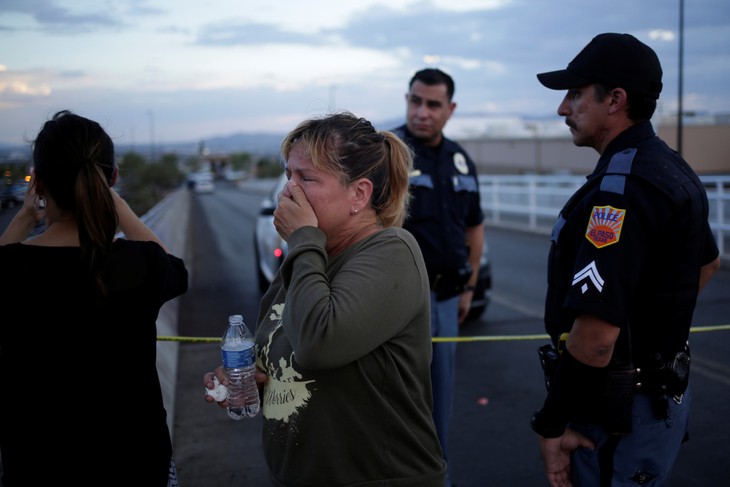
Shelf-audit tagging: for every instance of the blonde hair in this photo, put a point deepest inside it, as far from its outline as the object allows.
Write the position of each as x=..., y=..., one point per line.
x=351, y=148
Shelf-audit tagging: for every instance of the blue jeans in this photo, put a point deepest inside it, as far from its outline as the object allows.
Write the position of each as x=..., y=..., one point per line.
x=649, y=451
x=444, y=323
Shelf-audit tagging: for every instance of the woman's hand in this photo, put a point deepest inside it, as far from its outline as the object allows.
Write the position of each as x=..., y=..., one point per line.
x=293, y=211
x=210, y=385
x=34, y=205
x=131, y=225
x=261, y=378
x=209, y=382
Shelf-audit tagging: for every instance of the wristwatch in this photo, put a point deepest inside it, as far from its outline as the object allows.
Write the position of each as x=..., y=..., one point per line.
x=470, y=288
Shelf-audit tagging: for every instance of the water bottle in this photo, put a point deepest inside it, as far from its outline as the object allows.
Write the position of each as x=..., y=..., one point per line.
x=239, y=362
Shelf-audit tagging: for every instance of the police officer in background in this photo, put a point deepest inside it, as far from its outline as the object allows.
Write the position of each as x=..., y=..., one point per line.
x=446, y=218
x=630, y=251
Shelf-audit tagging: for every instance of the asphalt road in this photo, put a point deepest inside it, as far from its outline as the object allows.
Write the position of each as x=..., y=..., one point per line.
x=498, y=382
x=498, y=385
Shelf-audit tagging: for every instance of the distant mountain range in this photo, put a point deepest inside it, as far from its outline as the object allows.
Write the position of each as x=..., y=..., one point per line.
x=256, y=144
x=262, y=144
x=461, y=126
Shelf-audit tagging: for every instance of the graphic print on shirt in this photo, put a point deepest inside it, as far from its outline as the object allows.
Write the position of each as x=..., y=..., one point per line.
x=284, y=393
x=589, y=274
x=604, y=227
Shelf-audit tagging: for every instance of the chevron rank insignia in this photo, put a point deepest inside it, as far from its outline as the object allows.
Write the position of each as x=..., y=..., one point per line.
x=604, y=227
x=588, y=274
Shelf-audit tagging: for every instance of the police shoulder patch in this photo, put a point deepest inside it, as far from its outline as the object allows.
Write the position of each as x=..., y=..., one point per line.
x=604, y=226
x=460, y=163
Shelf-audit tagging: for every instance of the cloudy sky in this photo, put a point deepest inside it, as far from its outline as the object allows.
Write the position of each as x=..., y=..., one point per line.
x=178, y=70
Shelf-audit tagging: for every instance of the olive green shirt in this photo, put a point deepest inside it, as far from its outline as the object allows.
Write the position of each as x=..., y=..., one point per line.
x=346, y=343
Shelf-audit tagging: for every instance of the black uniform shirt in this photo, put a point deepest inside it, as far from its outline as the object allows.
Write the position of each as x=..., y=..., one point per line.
x=445, y=202
x=629, y=245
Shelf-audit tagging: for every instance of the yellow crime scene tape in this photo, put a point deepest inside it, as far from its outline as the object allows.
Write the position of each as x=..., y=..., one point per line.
x=492, y=338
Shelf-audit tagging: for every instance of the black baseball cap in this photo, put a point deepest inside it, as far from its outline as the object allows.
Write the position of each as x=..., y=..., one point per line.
x=614, y=59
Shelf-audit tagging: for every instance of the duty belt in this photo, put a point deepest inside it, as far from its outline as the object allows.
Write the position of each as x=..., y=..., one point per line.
x=450, y=282
x=659, y=377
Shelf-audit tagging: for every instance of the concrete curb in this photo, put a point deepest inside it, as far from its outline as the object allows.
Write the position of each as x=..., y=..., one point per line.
x=169, y=221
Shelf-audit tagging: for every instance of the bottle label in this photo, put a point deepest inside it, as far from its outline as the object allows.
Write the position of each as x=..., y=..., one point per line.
x=238, y=355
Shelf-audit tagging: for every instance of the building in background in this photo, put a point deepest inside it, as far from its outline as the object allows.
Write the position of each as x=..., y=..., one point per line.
x=511, y=145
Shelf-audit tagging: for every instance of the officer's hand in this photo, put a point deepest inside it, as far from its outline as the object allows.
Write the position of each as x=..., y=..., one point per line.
x=556, y=456
x=464, y=305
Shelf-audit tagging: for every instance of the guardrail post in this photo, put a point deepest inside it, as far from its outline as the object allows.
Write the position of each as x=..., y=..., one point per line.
x=532, y=201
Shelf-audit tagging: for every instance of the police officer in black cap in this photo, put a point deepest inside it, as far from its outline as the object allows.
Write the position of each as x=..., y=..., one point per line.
x=630, y=251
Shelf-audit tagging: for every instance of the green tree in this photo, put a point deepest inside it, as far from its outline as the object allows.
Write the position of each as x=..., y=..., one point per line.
x=241, y=161
x=269, y=167
x=144, y=184
x=131, y=167
x=192, y=164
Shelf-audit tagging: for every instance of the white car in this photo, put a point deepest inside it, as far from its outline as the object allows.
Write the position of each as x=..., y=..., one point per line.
x=269, y=248
x=203, y=183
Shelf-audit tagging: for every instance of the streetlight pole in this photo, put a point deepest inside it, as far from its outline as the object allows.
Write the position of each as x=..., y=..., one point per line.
x=681, y=63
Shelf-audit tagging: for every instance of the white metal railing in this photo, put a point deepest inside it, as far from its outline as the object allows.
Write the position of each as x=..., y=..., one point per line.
x=532, y=202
